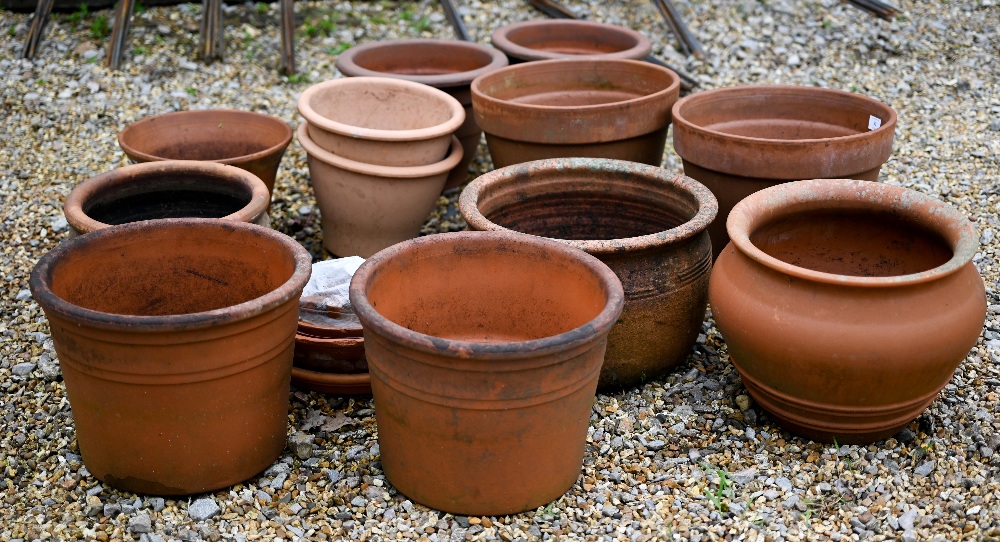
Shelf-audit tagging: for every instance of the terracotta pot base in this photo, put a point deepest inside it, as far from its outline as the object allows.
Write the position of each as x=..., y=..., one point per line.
x=332, y=383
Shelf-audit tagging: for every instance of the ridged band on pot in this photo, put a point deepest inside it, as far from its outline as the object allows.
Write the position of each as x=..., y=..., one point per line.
x=175, y=342
x=739, y=140
x=565, y=38
x=576, y=107
x=449, y=65
x=484, y=350
x=167, y=189
x=365, y=207
x=381, y=121
x=251, y=141
x=646, y=224
x=847, y=305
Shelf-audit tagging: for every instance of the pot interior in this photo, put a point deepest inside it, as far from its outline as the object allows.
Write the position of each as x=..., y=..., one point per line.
x=484, y=292
x=423, y=59
x=380, y=107
x=171, y=270
x=568, y=86
x=852, y=242
x=205, y=136
x=571, y=40
x=167, y=195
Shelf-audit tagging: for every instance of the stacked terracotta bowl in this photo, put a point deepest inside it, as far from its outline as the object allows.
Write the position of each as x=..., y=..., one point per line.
x=330, y=352
x=380, y=151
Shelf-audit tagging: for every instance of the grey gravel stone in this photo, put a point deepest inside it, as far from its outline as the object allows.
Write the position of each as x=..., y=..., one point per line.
x=23, y=369
x=203, y=509
x=925, y=468
x=140, y=523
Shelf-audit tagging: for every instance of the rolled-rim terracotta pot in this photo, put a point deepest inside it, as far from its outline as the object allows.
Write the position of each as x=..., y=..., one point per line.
x=646, y=224
x=449, y=65
x=167, y=189
x=365, y=207
x=847, y=305
x=739, y=140
x=484, y=350
x=175, y=342
x=565, y=38
x=251, y=141
x=381, y=121
x=576, y=107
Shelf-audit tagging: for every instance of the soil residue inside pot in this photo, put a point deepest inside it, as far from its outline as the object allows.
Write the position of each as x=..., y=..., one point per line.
x=166, y=204
x=854, y=244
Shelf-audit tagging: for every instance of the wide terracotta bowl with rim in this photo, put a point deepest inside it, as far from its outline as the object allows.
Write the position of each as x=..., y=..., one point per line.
x=548, y=39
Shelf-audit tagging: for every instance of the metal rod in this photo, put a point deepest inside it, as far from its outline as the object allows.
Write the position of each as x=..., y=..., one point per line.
x=687, y=82
x=687, y=40
x=37, y=28
x=876, y=8
x=456, y=20
x=553, y=9
x=119, y=34
x=211, y=30
x=287, y=14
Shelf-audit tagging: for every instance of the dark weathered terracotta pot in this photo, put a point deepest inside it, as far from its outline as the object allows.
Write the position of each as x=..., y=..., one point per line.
x=381, y=121
x=576, y=107
x=646, y=224
x=330, y=354
x=548, y=39
x=365, y=207
x=739, y=140
x=175, y=341
x=484, y=374
x=847, y=305
x=449, y=65
x=251, y=141
x=167, y=189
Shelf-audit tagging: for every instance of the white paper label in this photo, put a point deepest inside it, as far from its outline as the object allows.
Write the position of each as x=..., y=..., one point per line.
x=874, y=122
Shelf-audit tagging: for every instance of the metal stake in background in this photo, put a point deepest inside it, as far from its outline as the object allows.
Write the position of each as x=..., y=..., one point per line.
x=685, y=38
x=456, y=20
x=119, y=34
x=37, y=29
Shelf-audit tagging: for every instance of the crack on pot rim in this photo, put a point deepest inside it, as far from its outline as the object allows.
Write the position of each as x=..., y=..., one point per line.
x=457, y=79
x=600, y=324
x=127, y=323
x=678, y=119
x=706, y=202
x=958, y=232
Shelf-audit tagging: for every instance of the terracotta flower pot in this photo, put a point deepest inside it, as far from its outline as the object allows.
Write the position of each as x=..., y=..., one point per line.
x=739, y=140
x=548, y=39
x=175, y=341
x=167, y=189
x=365, y=207
x=847, y=305
x=330, y=355
x=484, y=375
x=576, y=107
x=247, y=140
x=449, y=65
x=646, y=224
x=381, y=121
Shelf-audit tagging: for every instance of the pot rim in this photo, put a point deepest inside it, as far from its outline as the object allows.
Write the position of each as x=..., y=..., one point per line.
x=348, y=66
x=449, y=126
x=792, y=198
x=512, y=176
x=286, y=137
x=455, y=349
x=501, y=40
x=393, y=172
x=260, y=198
x=737, y=92
x=127, y=323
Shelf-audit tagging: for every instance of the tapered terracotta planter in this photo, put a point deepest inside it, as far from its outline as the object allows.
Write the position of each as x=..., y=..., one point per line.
x=365, y=207
x=449, y=65
x=847, y=305
x=167, y=189
x=646, y=224
x=565, y=38
x=251, y=141
x=739, y=140
x=381, y=121
x=576, y=108
x=175, y=342
x=484, y=350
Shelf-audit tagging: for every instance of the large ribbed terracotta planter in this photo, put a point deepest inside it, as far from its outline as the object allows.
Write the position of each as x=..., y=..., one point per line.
x=175, y=342
x=847, y=305
x=484, y=350
x=548, y=39
x=365, y=207
x=739, y=140
x=251, y=141
x=381, y=121
x=576, y=108
x=646, y=224
x=449, y=65
x=167, y=189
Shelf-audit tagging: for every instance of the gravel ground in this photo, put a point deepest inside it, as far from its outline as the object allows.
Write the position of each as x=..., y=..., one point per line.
x=687, y=456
